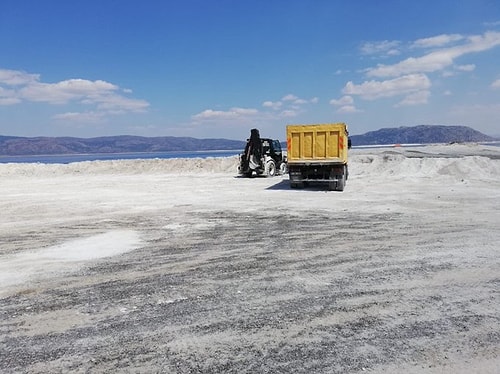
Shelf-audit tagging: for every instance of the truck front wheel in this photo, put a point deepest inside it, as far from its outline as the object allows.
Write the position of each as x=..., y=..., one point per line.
x=283, y=168
x=271, y=168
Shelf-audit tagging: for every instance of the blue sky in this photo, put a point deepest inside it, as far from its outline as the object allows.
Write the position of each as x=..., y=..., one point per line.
x=216, y=69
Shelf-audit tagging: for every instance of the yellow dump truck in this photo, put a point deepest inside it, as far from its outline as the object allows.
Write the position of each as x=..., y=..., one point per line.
x=318, y=153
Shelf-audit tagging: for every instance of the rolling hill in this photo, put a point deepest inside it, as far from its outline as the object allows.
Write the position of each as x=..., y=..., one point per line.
x=110, y=144
x=423, y=134
x=17, y=146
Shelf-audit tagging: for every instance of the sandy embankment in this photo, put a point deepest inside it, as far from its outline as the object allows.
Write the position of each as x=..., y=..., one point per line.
x=181, y=266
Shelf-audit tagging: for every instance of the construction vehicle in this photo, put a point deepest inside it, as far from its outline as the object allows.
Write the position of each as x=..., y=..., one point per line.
x=262, y=156
x=318, y=153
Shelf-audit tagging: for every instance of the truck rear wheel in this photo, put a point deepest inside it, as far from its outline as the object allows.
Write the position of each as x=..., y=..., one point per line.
x=340, y=183
x=341, y=180
x=337, y=181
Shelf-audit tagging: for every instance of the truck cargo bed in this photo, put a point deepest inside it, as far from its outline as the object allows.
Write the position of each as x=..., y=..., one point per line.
x=325, y=143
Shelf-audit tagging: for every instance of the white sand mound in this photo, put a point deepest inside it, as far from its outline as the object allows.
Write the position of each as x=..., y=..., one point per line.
x=392, y=165
x=138, y=166
x=457, y=161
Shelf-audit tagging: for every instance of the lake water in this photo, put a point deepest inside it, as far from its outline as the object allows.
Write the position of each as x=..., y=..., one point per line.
x=67, y=159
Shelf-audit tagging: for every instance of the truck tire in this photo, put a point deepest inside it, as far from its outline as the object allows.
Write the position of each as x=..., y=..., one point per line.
x=283, y=168
x=271, y=168
x=337, y=181
x=341, y=182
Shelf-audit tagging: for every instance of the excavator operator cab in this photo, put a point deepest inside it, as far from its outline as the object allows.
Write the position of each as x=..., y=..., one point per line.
x=266, y=147
x=272, y=148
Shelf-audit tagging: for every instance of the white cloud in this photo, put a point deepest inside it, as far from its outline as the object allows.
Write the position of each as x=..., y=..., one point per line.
x=385, y=47
x=290, y=105
x=218, y=115
x=345, y=105
x=8, y=97
x=416, y=98
x=272, y=104
x=469, y=67
x=15, y=77
x=289, y=97
x=495, y=84
x=463, y=68
x=344, y=100
x=393, y=52
x=104, y=96
x=87, y=117
x=438, y=59
x=120, y=104
x=348, y=109
x=492, y=24
x=376, y=89
x=432, y=62
x=66, y=91
x=289, y=113
x=437, y=41
x=9, y=101
x=298, y=101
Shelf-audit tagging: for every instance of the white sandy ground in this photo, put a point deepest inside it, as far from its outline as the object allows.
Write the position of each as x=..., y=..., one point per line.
x=19, y=268
x=435, y=208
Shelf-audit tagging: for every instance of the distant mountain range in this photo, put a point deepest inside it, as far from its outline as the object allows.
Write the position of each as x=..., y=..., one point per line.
x=423, y=134
x=17, y=146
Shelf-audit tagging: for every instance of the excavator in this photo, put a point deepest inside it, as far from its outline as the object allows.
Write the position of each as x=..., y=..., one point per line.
x=262, y=156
